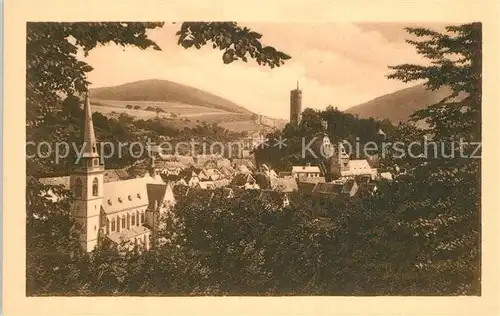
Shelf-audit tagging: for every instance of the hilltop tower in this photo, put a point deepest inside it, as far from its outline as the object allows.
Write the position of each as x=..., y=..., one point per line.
x=86, y=183
x=295, y=105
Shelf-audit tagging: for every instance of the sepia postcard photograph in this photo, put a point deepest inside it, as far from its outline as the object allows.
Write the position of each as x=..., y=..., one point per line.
x=224, y=157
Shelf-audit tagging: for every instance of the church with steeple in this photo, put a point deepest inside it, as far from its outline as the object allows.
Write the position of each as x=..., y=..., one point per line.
x=124, y=211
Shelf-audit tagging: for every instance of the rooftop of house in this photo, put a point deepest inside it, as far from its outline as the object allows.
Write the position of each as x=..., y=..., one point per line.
x=305, y=169
x=348, y=185
x=305, y=179
x=241, y=179
x=359, y=164
x=288, y=184
x=328, y=188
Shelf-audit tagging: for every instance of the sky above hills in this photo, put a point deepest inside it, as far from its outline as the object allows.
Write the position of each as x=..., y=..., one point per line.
x=338, y=64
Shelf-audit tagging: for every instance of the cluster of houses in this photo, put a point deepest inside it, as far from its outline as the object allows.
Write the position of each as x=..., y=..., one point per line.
x=124, y=205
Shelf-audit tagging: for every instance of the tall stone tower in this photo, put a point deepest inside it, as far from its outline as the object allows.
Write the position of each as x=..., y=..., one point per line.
x=86, y=183
x=295, y=105
x=339, y=161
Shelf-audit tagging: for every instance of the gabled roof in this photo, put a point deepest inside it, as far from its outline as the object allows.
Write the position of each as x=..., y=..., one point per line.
x=185, y=160
x=359, y=164
x=243, y=169
x=56, y=181
x=221, y=183
x=288, y=184
x=112, y=175
x=162, y=165
x=187, y=174
x=159, y=195
x=306, y=187
x=199, y=195
x=386, y=175
x=262, y=180
x=126, y=234
x=125, y=194
x=155, y=178
x=243, y=162
x=226, y=171
x=304, y=179
x=170, y=177
x=328, y=188
x=241, y=179
x=362, y=179
x=206, y=185
x=180, y=191
x=223, y=163
x=308, y=169
x=210, y=172
x=235, y=192
x=348, y=185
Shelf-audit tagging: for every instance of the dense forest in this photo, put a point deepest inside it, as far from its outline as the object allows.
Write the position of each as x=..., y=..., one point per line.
x=420, y=236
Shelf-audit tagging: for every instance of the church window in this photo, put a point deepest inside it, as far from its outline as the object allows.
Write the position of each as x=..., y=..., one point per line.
x=130, y=197
x=95, y=162
x=95, y=187
x=123, y=222
x=133, y=220
x=128, y=221
x=139, y=195
x=107, y=226
x=137, y=216
x=113, y=225
x=78, y=187
x=120, y=199
x=142, y=218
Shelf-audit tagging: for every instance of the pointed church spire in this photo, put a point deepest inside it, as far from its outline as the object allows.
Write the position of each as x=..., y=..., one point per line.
x=297, y=85
x=89, y=140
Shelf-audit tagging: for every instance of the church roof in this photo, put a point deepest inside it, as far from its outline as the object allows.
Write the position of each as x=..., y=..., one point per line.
x=127, y=234
x=122, y=195
x=159, y=195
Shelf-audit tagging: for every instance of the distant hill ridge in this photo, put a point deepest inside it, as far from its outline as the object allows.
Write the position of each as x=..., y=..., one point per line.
x=399, y=105
x=165, y=91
